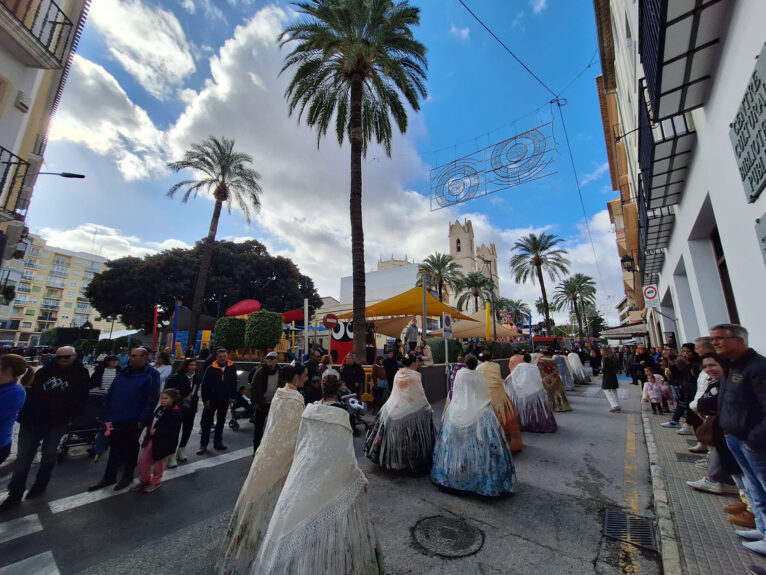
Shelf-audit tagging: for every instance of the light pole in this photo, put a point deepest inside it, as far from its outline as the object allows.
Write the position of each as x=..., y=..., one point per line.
x=63, y=175
x=491, y=296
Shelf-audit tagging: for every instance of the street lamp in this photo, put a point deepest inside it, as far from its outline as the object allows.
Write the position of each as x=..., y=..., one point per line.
x=63, y=175
x=628, y=263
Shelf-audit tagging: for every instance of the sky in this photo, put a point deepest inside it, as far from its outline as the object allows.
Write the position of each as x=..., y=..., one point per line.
x=152, y=77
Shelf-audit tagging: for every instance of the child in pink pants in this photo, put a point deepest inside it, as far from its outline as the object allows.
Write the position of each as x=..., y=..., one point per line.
x=161, y=440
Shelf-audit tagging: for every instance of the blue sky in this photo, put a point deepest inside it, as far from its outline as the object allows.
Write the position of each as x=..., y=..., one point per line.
x=153, y=76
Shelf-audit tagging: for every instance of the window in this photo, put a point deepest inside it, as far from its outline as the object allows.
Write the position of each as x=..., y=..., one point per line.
x=66, y=315
x=75, y=272
x=67, y=304
x=26, y=324
x=27, y=275
x=61, y=261
x=58, y=270
x=83, y=307
x=72, y=284
x=29, y=312
x=36, y=289
x=70, y=294
x=723, y=272
x=86, y=277
x=33, y=251
x=80, y=319
x=50, y=304
x=457, y=246
x=79, y=263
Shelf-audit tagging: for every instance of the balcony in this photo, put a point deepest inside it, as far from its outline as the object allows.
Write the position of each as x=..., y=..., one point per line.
x=679, y=43
x=50, y=305
x=46, y=318
x=23, y=289
x=13, y=170
x=654, y=230
x=664, y=154
x=37, y=32
x=54, y=283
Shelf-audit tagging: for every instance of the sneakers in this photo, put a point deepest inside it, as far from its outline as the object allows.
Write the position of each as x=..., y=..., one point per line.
x=181, y=454
x=140, y=486
x=172, y=461
x=701, y=464
x=685, y=430
x=202, y=449
x=737, y=507
x=756, y=547
x=699, y=448
x=152, y=488
x=670, y=423
x=755, y=570
x=711, y=486
x=749, y=534
x=743, y=519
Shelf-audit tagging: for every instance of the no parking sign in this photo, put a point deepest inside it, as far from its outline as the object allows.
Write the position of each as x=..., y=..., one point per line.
x=651, y=296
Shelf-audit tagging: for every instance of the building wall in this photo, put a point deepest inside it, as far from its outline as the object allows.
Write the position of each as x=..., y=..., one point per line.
x=15, y=76
x=714, y=196
x=381, y=284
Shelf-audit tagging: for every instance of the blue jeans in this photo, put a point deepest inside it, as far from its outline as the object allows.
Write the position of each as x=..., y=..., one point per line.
x=753, y=466
x=31, y=435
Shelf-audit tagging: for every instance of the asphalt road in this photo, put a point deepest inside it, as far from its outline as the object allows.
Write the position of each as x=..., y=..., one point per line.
x=597, y=460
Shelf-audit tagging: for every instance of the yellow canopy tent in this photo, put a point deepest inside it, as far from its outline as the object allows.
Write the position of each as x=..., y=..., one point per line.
x=409, y=303
x=477, y=328
x=392, y=326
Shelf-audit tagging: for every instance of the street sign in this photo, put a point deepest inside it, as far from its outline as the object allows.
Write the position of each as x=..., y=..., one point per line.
x=330, y=320
x=447, y=323
x=651, y=296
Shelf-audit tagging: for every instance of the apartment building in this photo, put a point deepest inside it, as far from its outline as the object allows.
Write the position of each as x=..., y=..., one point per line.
x=37, y=42
x=686, y=136
x=49, y=286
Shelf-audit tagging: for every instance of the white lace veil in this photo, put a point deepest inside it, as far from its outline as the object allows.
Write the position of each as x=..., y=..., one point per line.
x=407, y=397
x=526, y=380
x=470, y=398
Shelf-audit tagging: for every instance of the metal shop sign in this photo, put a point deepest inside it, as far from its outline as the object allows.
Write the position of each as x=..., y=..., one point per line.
x=748, y=132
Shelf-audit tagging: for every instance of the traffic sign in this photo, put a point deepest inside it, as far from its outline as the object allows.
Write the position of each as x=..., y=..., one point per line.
x=651, y=296
x=330, y=320
x=447, y=323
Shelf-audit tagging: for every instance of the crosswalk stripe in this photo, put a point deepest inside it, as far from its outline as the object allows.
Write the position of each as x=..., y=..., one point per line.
x=80, y=499
x=42, y=564
x=20, y=527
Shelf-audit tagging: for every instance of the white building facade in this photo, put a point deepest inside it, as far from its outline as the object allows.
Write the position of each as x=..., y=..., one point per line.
x=699, y=115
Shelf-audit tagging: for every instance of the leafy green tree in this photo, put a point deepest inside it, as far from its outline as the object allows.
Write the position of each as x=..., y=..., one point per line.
x=130, y=287
x=540, y=306
x=536, y=255
x=575, y=289
x=440, y=271
x=518, y=309
x=229, y=333
x=352, y=59
x=226, y=174
x=594, y=322
x=263, y=330
x=477, y=286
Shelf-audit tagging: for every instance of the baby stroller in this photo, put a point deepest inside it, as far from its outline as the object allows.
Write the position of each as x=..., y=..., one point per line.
x=86, y=426
x=356, y=410
x=240, y=409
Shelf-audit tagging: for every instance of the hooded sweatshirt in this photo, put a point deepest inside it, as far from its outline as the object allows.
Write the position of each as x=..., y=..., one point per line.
x=56, y=395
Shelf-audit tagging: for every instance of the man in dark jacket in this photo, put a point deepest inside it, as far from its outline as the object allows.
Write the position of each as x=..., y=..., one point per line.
x=312, y=365
x=58, y=394
x=742, y=415
x=264, y=381
x=219, y=388
x=130, y=404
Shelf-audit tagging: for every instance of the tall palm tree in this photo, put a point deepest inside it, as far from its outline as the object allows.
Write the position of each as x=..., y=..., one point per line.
x=226, y=173
x=477, y=286
x=573, y=293
x=536, y=255
x=518, y=309
x=540, y=306
x=352, y=60
x=440, y=271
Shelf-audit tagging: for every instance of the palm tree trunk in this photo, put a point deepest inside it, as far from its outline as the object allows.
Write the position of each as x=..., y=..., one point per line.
x=204, y=270
x=357, y=229
x=548, y=329
x=476, y=302
x=578, y=315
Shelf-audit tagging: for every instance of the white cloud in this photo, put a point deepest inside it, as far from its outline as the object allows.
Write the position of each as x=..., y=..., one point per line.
x=189, y=6
x=516, y=23
x=595, y=174
x=461, y=33
x=147, y=41
x=108, y=242
x=538, y=5
x=96, y=111
x=209, y=10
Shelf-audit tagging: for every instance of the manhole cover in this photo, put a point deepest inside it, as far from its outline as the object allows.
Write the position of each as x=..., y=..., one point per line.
x=448, y=537
x=630, y=528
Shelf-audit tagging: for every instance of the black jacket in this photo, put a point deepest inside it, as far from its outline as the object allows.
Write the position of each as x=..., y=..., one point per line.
x=166, y=430
x=219, y=385
x=609, y=376
x=742, y=400
x=56, y=396
x=180, y=381
x=259, y=381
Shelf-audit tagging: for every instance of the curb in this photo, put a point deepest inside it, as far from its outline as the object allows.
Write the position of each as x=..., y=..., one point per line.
x=669, y=548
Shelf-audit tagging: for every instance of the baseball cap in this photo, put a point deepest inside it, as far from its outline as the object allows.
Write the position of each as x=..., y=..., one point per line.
x=272, y=355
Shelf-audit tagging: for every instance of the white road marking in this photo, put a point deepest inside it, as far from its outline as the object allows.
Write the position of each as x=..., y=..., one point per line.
x=42, y=564
x=74, y=501
x=20, y=527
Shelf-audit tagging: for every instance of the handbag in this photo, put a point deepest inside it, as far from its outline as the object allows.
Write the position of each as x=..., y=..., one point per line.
x=382, y=384
x=191, y=400
x=706, y=433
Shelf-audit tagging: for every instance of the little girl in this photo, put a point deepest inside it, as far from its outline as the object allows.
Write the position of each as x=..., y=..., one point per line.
x=655, y=391
x=161, y=440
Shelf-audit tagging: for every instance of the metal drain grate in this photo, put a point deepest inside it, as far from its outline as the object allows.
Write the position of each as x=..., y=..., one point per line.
x=630, y=528
x=688, y=457
x=447, y=537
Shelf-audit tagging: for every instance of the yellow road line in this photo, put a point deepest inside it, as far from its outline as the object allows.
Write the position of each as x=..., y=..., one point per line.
x=628, y=552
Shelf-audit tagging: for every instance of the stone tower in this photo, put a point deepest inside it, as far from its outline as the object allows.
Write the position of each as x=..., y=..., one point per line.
x=470, y=259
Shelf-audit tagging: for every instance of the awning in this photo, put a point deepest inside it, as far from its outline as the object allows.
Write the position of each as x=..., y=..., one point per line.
x=478, y=328
x=393, y=326
x=409, y=303
x=625, y=331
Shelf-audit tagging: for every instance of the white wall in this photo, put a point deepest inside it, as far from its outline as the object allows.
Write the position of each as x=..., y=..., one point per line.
x=714, y=173
x=382, y=284
x=21, y=77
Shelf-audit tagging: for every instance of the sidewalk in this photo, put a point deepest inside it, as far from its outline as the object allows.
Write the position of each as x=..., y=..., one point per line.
x=705, y=538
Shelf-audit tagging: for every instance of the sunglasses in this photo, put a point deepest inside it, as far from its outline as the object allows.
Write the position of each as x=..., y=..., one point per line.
x=63, y=357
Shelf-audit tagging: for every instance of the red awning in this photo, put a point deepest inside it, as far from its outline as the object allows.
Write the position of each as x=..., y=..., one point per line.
x=292, y=315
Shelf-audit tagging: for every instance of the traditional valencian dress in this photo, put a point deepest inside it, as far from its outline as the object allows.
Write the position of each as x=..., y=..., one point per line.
x=501, y=404
x=455, y=368
x=403, y=436
x=471, y=452
x=564, y=373
x=557, y=397
x=321, y=524
x=263, y=485
x=579, y=372
x=530, y=399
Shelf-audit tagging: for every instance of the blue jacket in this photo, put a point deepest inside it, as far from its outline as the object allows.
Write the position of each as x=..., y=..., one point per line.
x=742, y=401
x=133, y=396
x=219, y=385
x=11, y=399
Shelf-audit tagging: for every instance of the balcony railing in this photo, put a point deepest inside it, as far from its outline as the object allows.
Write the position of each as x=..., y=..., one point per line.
x=46, y=318
x=13, y=170
x=22, y=289
x=45, y=22
x=50, y=306
x=654, y=230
